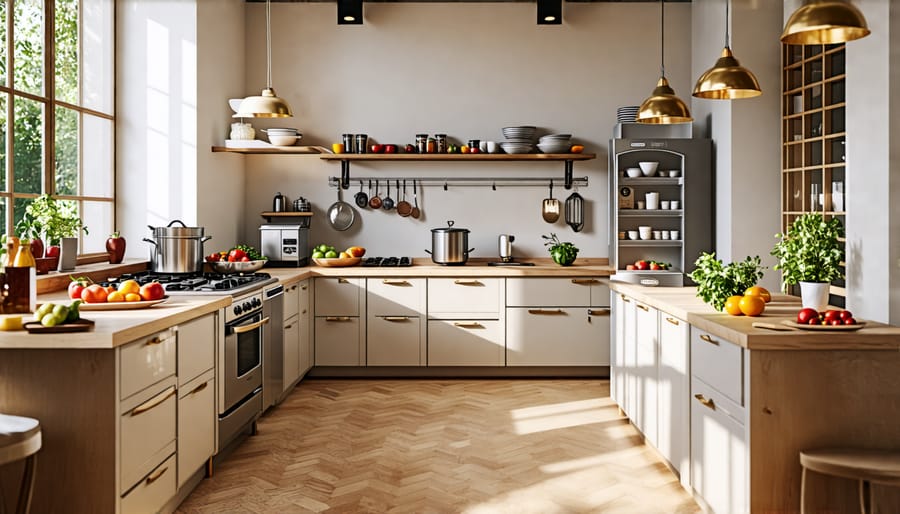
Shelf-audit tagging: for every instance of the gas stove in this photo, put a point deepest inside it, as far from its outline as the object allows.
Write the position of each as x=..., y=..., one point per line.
x=202, y=284
x=386, y=262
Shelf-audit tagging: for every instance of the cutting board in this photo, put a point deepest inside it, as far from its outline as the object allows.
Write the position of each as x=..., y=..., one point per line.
x=82, y=325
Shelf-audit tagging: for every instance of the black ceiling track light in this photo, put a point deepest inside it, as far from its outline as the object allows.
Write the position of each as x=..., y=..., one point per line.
x=350, y=12
x=549, y=12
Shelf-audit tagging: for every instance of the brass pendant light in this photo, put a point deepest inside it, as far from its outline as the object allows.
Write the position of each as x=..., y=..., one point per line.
x=727, y=79
x=267, y=104
x=819, y=22
x=663, y=107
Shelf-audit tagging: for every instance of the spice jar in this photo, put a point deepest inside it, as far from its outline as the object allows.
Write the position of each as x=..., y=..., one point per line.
x=431, y=147
x=441, y=140
x=361, y=140
x=422, y=143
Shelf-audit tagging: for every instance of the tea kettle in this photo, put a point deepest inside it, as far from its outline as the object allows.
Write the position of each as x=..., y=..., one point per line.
x=279, y=203
x=505, y=247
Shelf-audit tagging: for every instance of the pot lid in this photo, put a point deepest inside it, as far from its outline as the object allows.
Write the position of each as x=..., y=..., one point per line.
x=449, y=229
x=182, y=231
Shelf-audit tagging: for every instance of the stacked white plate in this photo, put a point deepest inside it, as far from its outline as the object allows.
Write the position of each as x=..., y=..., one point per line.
x=627, y=113
x=518, y=139
x=555, y=143
x=283, y=136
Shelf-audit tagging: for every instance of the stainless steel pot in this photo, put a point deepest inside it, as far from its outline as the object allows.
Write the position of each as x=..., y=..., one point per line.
x=449, y=245
x=177, y=249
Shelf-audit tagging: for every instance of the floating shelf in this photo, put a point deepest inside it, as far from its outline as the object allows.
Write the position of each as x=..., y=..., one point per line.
x=650, y=213
x=651, y=181
x=649, y=242
x=297, y=150
x=268, y=215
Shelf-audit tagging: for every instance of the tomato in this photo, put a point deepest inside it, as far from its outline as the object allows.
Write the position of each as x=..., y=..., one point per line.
x=642, y=265
x=152, y=291
x=831, y=315
x=236, y=255
x=845, y=315
x=213, y=257
x=814, y=321
x=655, y=266
x=245, y=259
x=94, y=294
x=76, y=286
x=849, y=321
x=835, y=322
x=807, y=315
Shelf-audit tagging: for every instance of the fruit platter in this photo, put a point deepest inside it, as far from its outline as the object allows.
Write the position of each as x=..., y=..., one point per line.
x=327, y=256
x=832, y=319
x=240, y=259
x=128, y=295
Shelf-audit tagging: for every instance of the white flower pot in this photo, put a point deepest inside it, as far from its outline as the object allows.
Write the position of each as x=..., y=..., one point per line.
x=814, y=295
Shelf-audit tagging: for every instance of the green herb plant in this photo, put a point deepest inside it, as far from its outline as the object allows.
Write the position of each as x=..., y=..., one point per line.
x=717, y=281
x=563, y=253
x=50, y=218
x=810, y=250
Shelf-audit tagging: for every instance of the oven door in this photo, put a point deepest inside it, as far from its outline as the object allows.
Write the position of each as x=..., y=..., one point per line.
x=243, y=357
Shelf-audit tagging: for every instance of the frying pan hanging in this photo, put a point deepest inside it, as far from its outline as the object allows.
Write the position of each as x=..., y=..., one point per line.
x=341, y=214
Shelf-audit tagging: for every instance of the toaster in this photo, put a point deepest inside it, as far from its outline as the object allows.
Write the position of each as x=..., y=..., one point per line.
x=285, y=245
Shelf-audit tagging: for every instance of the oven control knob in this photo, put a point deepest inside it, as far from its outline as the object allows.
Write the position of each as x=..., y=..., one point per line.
x=257, y=302
x=237, y=309
x=247, y=306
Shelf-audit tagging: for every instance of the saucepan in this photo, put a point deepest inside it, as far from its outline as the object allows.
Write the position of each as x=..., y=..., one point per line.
x=449, y=245
x=177, y=249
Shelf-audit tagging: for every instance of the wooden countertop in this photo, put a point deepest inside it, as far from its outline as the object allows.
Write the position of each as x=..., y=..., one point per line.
x=683, y=303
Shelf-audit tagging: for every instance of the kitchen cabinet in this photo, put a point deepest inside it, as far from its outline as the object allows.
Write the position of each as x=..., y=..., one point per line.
x=466, y=322
x=307, y=349
x=197, y=415
x=296, y=333
x=395, y=325
x=673, y=394
x=152, y=493
x=813, y=132
x=646, y=370
x=540, y=309
x=339, y=328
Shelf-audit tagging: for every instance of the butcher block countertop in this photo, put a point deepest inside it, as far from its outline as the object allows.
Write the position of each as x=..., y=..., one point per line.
x=683, y=303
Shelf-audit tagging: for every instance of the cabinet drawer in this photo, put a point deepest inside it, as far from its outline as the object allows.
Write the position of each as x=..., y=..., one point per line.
x=466, y=343
x=338, y=341
x=196, y=425
x=196, y=347
x=533, y=336
x=394, y=341
x=148, y=434
x=146, y=362
x=718, y=363
x=550, y=292
x=471, y=298
x=292, y=298
x=395, y=296
x=338, y=296
x=153, y=491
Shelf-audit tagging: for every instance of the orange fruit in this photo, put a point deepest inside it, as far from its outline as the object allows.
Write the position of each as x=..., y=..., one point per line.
x=752, y=305
x=129, y=286
x=577, y=149
x=732, y=305
x=115, y=296
x=132, y=297
x=759, y=291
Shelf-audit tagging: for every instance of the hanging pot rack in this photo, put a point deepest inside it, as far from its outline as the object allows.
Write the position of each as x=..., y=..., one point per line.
x=446, y=182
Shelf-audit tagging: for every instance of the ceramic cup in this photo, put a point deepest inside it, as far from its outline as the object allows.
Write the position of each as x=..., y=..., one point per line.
x=674, y=204
x=673, y=234
x=665, y=234
x=645, y=231
x=492, y=146
x=632, y=234
x=483, y=146
x=337, y=147
x=657, y=234
x=640, y=204
x=663, y=204
x=652, y=200
x=674, y=173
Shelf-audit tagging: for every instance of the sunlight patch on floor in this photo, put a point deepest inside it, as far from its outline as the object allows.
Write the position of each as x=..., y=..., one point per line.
x=563, y=415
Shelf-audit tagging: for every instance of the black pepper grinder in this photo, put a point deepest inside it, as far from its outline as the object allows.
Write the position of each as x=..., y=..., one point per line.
x=279, y=202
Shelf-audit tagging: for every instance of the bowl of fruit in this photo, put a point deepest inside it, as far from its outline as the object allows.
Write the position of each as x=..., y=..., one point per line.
x=328, y=256
x=240, y=259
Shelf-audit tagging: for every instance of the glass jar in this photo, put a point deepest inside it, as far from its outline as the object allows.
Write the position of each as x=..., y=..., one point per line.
x=441, y=141
x=431, y=146
x=361, y=142
x=422, y=143
x=242, y=131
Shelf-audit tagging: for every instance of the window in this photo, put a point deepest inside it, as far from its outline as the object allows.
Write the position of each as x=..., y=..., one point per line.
x=56, y=110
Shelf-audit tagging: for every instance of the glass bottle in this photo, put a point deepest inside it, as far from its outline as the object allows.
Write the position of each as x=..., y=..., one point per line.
x=24, y=258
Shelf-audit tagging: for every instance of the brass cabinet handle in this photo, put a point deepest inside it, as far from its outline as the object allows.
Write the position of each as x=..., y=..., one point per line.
x=199, y=388
x=288, y=327
x=153, y=402
x=294, y=287
x=707, y=402
x=338, y=318
x=390, y=282
x=673, y=321
x=155, y=476
x=705, y=337
x=467, y=282
x=643, y=307
x=624, y=298
x=546, y=311
x=303, y=287
x=599, y=312
x=395, y=318
x=251, y=326
x=585, y=281
x=343, y=281
x=468, y=325
x=303, y=311
x=156, y=340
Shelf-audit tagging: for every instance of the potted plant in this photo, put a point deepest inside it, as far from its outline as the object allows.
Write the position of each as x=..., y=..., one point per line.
x=563, y=253
x=810, y=254
x=717, y=281
x=59, y=223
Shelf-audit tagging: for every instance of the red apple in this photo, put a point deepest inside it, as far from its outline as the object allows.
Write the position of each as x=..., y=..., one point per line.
x=376, y=148
x=115, y=248
x=642, y=265
x=390, y=148
x=37, y=247
x=152, y=291
x=53, y=251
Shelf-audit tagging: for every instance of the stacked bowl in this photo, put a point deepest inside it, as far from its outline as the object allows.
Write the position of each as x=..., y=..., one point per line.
x=518, y=139
x=283, y=136
x=555, y=143
x=627, y=113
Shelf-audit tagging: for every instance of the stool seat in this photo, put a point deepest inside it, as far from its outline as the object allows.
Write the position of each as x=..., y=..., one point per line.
x=876, y=466
x=20, y=439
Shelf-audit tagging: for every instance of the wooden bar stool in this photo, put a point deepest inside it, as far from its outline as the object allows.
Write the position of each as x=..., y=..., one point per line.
x=20, y=438
x=867, y=466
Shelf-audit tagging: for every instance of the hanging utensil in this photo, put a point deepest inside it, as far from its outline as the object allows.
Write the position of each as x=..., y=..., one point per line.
x=415, y=210
x=375, y=201
x=388, y=202
x=341, y=214
x=361, y=198
x=575, y=211
x=403, y=207
x=550, y=207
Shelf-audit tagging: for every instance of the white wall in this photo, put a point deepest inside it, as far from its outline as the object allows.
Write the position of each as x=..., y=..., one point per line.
x=466, y=69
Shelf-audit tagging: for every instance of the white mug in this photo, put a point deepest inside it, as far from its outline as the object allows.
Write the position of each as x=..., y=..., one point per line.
x=652, y=200
x=645, y=232
x=674, y=204
x=665, y=234
x=673, y=234
x=657, y=234
x=483, y=146
x=640, y=204
x=663, y=204
x=491, y=146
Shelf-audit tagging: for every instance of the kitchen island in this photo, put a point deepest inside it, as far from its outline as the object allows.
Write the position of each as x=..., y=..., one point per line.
x=731, y=406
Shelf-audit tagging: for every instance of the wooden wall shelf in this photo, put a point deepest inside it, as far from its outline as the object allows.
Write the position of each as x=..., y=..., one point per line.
x=268, y=215
x=281, y=150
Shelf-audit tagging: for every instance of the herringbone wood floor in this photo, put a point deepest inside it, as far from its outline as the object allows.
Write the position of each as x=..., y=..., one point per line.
x=473, y=446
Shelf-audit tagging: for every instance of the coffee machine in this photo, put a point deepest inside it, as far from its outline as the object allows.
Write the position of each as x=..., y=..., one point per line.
x=504, y=248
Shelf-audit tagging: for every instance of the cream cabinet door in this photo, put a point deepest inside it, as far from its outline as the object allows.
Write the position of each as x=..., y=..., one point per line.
x=338, y=341
x=647, y=334
x=147, y=432
x=545, y=291
x=396, y=296
x=466, y=343
x=394, y=341
x=571, y=336
x=617, y=371
x=153, y=491
x=305, y=328
x=339, y=296
x=147, y=361
x=629, y=359
x=673, y=394
x=465, y=298
x=196, y=425
x=291, y=351
x=196, y=347
x=292, y=299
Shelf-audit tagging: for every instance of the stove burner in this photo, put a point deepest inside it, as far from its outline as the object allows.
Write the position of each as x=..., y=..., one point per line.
x=386, y=262
x=192, y=283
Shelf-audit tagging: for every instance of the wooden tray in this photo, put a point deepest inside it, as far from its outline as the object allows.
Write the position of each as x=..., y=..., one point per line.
x=825, y=328
x=338, y=262
x=82, y=325
x=120, y=306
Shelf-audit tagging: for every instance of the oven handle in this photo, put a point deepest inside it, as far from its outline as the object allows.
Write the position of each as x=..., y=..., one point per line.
x=252, y=326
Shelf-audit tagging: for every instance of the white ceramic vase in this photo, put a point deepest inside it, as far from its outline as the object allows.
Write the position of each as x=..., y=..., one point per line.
x=814, y=295
x=68, y=253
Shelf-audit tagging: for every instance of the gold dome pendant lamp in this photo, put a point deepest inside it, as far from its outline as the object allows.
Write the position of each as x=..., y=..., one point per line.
x=822, y=22
x=727, y=79
x=267, y=104
x=663, y=107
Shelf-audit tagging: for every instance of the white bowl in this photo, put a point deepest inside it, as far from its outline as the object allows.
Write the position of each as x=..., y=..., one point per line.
x=282, y=140
x=633, y=172
x=553, y=147
x=282, y=131
x=649, y=168
x=632, y=234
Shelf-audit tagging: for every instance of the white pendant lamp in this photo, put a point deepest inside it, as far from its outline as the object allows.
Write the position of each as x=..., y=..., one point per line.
x=727, y=79
x=267, y=104
x=662, y=106
x=819, y=22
